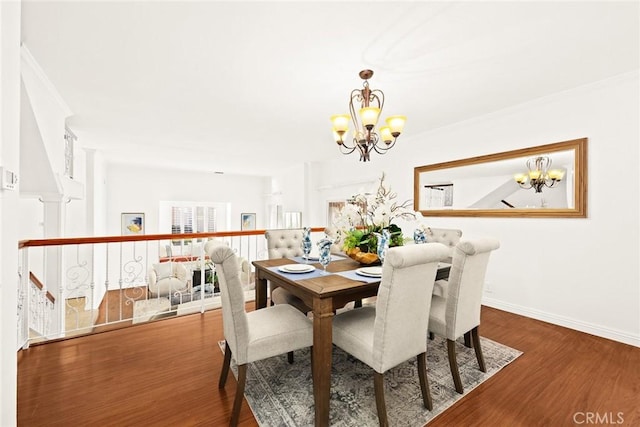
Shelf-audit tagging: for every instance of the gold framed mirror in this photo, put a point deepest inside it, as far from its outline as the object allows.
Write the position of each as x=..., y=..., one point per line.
x=544, y=181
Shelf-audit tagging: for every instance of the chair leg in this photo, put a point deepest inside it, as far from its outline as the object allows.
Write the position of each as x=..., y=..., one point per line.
x=237, y=402
x=290, y=357
x=431, y=335
x=225, y=366
x=467, y=340
x=453, y=364
x=378, y=385
x=357, y=303
x=424, y=381
x=476, y=345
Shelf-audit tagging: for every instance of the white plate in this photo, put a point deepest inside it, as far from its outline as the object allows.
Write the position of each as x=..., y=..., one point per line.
x=370, y=271
x=296, y=268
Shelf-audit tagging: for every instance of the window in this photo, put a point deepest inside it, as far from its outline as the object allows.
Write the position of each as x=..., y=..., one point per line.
x=438, y=196
x=178, y=217
x=192, y=219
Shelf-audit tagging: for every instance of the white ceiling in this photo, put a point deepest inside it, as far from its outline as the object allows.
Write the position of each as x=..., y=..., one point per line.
x=248, y=87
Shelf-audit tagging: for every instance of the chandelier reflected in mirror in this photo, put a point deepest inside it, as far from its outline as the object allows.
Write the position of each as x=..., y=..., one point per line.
x=365, y=136
x=539, y=174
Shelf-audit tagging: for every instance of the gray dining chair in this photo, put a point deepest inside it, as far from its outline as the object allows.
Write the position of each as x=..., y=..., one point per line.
x=394, y=330
x=285, y=243
x=255, y=335
x=449, y=237
x=458, y=312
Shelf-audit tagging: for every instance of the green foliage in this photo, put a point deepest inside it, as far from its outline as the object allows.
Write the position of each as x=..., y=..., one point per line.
x=396, y=235
x=352, y=240
x=367, y=241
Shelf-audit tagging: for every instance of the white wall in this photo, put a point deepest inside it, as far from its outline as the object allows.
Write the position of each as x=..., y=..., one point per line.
x=77, y=210
x=49, y=109
x=9, y=214
x=140, y=189
x=289, y=191
x=579, y=273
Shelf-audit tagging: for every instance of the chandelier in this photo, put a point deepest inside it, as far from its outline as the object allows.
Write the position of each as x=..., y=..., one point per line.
x=365, y=138
x=539, y=175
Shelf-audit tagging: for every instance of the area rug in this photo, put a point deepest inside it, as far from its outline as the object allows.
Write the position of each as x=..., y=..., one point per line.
x=281, y=394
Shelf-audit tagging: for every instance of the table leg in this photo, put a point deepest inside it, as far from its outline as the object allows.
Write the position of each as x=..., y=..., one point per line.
x=322, y=348
x=261, y=292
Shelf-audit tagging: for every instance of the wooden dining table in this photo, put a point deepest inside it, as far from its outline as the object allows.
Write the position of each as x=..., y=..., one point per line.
x=325, y=293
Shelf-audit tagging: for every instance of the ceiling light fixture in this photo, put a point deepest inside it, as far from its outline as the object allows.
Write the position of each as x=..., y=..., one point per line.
x=539, y=175
x=365, y=137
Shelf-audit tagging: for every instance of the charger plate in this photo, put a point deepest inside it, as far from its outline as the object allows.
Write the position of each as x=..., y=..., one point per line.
x=296, y=268
x=370, y=271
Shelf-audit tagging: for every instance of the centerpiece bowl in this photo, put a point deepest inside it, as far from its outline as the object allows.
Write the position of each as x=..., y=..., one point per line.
x=364, y=258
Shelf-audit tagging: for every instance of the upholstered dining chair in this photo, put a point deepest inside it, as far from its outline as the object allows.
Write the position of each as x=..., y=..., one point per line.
x=449, y=237
x=255, y=335
x=394, y=330
x=285, y=243
x=458, y=312
x=244, y=268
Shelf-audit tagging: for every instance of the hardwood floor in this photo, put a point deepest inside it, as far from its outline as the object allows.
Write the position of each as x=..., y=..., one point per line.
x=165, y=373
x=117, y=307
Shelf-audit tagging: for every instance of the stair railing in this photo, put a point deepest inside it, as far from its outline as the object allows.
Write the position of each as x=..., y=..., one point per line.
x=104, y=279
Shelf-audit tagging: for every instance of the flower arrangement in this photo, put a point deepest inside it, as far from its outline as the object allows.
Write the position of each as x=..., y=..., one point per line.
x=365, y=216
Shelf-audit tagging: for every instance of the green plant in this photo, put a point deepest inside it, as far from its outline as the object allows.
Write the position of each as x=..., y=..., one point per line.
x=352, y=239
x=367, y=241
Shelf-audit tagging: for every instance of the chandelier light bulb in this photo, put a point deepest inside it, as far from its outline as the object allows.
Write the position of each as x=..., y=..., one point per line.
x=520, y=178
x=369, y=116
x=385, y=135
x=556, y=174
x=337, y=137
x=534, y=174
x=340, y=122
x=396, y=124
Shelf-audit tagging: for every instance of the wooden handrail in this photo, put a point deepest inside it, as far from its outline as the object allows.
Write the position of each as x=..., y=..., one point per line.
x=40, y=286
x=136, y=238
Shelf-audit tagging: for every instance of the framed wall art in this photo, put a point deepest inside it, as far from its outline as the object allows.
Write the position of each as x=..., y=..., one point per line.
x=247, y=221
x=132, y=223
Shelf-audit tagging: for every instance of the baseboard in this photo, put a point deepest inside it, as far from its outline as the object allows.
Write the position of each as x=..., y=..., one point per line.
x=567, y=322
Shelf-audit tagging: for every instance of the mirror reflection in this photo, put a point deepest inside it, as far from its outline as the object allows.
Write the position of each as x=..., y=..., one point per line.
x=548, y=180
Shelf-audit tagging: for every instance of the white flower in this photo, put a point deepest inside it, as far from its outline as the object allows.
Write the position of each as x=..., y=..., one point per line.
x=376, y=209
x=381, y=215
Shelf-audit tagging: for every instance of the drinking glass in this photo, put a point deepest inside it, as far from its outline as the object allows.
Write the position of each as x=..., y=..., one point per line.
x=383, y=244
x=324, y=253
x=306, y=243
